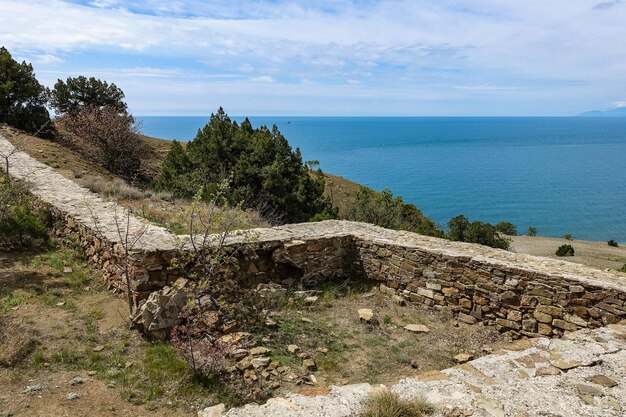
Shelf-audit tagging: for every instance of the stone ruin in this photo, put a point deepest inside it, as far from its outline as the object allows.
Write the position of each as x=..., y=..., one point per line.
x=526, y=296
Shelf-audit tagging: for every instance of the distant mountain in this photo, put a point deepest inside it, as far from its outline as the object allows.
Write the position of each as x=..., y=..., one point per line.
x=619, y=112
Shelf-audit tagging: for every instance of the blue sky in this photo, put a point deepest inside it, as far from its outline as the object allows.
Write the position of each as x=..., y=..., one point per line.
x=342, y=57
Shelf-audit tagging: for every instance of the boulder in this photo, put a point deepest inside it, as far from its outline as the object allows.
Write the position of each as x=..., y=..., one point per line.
x=417, y=328
x=159, y=314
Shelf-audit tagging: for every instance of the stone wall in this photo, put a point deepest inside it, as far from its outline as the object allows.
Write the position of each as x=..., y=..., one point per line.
x=523, y=294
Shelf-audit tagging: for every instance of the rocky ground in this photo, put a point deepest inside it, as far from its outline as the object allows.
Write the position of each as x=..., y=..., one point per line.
x=580, y=375
x=348, y=333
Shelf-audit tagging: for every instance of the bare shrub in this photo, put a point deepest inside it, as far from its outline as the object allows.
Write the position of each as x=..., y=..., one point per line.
x=16, y=343
x=105, y=136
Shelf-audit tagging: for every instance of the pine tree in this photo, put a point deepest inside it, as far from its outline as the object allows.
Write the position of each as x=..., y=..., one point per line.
x=175, y=172
x=22, y=98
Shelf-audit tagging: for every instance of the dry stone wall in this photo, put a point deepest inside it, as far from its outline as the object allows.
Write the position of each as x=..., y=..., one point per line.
x=521, y=294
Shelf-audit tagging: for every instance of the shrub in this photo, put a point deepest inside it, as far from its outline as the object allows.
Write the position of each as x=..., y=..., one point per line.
x=105, y=136
x=567, y=236
x=76, y=93
x=623, y=268
x=612, y=243
x=532, y=231
x=460, y=229
x=565, y=250
x=22, y=98
x=385, y=210
x=507, y=228
x=389, y=404
x=20, y=223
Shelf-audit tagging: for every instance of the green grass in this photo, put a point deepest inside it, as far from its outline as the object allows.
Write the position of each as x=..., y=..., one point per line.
x=9, y=300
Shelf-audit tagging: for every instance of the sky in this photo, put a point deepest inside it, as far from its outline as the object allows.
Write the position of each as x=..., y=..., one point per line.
x=335, y=58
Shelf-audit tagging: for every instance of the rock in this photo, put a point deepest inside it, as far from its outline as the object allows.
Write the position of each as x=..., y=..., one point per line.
x=463, y=357
x=72, y=396
x=311, y=300
x=159, y=314
x=234, y=338
x=260, y=362
x=309, y=365
x=603, y=380
x=30, y=389
x=304, y=355
x=548, y=371
x=244, y=364
x=322, y=349
x=77, y=381
x=417, y=328
x=98, y=348
x=270, y=323
x=259, y=351
x=466, y=318
x=238, y=354
x=589, y=390
x=293, y=348
x=398, y=300
x=365, y=314
x=213, y=411
x=306, y=320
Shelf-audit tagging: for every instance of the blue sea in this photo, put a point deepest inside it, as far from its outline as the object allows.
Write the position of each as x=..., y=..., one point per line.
x=560, y=175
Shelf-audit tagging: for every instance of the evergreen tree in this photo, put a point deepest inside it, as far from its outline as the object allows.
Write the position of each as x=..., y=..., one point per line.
x=22, y=98
x=259, y=165
x=174, y=172
x=75, y=93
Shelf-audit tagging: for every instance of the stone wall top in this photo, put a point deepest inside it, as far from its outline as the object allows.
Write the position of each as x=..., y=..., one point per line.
x=88, y=208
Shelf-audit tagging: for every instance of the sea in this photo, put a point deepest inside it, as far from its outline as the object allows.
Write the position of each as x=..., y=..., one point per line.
x=562, y=175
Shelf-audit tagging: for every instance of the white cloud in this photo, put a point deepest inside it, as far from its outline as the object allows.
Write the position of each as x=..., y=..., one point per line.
x=620, y=104
x=262, y=79
x=453, y=48
x=47, y=59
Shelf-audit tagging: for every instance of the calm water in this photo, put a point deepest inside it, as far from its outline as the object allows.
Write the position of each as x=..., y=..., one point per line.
x=561, y=175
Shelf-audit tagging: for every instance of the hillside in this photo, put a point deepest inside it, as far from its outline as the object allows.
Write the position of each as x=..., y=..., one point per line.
x=619, y=112
x=72, y=165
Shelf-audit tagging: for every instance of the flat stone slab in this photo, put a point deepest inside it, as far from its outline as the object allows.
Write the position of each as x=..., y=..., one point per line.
x=506, y=383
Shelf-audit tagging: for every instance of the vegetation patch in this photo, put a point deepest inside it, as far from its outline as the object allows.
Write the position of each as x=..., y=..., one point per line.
x=385, y=403
x=565, y=250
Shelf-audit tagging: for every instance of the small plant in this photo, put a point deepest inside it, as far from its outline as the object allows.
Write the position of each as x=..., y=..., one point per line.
x=389, y=404
x=532, y=231
x=612, y=243
x=567, y=236
x=565, y=250
x=623, y=268
x=387, y=319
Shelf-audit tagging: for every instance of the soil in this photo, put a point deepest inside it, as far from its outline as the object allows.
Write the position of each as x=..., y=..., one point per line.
x=79, y=329
x=594, y=254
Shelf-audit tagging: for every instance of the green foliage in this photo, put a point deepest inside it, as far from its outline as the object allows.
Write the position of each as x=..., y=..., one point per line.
x=262, y=170
x=22, y=98
x=507, y=228
x=612, y=243
x=460, y=229
x=75, y=93
x=565, y=250
x=20, y=224
x=623, y=268
x=385, y=210
x=532, y=231
x=567, y=236
x=389, y=404
x=175, y=173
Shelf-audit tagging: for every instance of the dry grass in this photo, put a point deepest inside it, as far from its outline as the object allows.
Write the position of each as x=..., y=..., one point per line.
x=386, y=403
x=117, y=188
x=16, y=343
